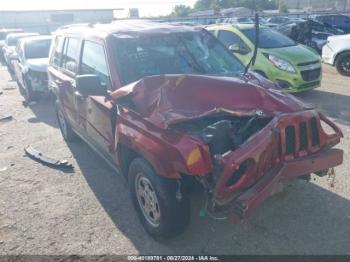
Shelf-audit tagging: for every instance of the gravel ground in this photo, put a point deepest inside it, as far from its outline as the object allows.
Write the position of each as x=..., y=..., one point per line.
x=89, y=211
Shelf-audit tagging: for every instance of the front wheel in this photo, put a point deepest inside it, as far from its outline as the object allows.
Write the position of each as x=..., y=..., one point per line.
x=162, y=212
x=30, y=95
x=343, y=64
x=65, y=127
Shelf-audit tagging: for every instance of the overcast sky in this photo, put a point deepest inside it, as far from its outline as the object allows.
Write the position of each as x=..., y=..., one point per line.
x=146, y=7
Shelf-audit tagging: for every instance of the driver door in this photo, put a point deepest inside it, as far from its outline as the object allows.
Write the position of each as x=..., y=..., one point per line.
x=94, y=111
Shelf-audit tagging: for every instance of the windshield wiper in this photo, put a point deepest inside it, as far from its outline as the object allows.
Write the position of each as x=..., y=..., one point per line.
x=252, y=60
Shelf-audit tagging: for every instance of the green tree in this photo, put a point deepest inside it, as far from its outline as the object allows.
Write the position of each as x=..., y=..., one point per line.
x=221, y=4
x=203, y=5
x=181, y=11
x=282, y=7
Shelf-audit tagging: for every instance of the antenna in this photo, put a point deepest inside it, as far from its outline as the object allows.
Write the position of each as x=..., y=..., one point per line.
x=256, y=44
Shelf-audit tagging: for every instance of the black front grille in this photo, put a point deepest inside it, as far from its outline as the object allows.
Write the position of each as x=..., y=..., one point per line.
x=305, y=130
x=314, y=132
x=308, y=63
x=302, y=136
x=310, y=75
x=290, y=140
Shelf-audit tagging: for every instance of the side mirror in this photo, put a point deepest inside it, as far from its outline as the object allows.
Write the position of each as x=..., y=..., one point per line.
x=239, y=49
x=90, y=85
x=234, y=48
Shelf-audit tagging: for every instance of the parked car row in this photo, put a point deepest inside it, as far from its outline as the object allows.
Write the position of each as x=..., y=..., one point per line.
x=170, y=105
x=26, y=56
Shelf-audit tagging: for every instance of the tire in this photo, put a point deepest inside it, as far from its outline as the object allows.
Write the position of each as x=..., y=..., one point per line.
x=30, y=95
x=261, y=73
x=66, y=129
x=342, y=64
x=166, y=216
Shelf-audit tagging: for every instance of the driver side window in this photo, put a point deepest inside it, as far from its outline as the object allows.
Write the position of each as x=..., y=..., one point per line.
x=93, y=61
x=229, y=38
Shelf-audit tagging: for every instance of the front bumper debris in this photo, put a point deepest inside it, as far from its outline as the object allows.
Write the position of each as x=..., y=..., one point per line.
x=38, y=156
x=290, y=146
x=250, y=200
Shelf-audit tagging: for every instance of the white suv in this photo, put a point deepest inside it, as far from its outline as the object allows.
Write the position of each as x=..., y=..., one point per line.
x=337, y=53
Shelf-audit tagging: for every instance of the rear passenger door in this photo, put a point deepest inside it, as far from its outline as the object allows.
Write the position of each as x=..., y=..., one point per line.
x=62, y=75
x=95, y=111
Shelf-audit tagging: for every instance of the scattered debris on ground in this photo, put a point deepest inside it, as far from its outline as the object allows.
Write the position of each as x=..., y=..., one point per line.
x=5, y=118
x=331, y=176
x=38, y=156
x=26, y=103
x=10, y=88
x=3, y=169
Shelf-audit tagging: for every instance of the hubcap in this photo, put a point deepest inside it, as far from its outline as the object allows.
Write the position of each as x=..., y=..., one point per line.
x=147, y=199
x=346, y=65
x=62, y=122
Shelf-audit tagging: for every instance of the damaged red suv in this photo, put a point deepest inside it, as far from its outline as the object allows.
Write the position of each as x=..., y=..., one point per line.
x=169, y=104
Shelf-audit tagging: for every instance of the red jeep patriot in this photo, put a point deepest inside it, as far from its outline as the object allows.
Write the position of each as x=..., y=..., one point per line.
x=166, y=104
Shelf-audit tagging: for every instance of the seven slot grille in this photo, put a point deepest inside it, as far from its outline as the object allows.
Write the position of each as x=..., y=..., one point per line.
x=294, y=145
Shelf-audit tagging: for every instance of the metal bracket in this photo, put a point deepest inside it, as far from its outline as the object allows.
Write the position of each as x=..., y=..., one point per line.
x=38, y=156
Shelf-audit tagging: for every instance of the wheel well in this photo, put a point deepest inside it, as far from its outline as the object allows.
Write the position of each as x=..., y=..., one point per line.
x=336, y=57
x=261, y=73
x=125, y=156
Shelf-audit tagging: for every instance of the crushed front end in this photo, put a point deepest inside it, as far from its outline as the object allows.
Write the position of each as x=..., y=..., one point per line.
x=266, y=152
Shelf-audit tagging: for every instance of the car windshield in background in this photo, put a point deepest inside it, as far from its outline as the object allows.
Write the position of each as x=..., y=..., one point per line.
x=2, y=36
x=12, y=41
x=196, y=52
x=37, y=49
x=269, y=38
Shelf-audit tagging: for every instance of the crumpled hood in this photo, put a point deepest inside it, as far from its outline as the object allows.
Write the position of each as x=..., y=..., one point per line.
x=39, y=64
x=168, y=99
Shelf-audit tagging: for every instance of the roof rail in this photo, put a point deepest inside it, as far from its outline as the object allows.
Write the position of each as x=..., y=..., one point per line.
x=76, y=25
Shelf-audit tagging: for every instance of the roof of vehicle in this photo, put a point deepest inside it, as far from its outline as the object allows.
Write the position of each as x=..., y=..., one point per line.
x=13, y=35
x=139, y=27
x=36, y=38
x=9, y=30
x=330, y=15
x=239, y=26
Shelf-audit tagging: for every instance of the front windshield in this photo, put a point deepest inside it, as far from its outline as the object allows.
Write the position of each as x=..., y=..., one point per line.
x=269, y=38
x=195, y=52
x=37, y=49
x=11, y=40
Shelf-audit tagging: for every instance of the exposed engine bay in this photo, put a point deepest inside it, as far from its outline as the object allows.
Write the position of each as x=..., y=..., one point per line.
x=223, y=132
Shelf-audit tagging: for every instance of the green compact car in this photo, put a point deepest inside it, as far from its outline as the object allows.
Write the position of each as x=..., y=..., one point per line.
x=291, y=66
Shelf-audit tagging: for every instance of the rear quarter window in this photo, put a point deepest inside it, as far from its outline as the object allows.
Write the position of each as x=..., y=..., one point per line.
x=70, y=55
x=56, y=53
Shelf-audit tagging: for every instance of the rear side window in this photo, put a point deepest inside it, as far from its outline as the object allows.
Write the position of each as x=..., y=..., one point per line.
x=70, y=54
x=56, y=56
x=93, y=61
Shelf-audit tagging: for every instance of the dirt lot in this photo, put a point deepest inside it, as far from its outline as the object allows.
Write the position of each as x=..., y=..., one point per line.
x=46, y=211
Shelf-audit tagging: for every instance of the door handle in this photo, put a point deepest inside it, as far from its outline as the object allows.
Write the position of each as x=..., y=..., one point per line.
x=63, y=83
x=79, y=96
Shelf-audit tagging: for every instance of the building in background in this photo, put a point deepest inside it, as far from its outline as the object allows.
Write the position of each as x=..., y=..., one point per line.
x=133, y=13
x=46, y=21
x=318, y=5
